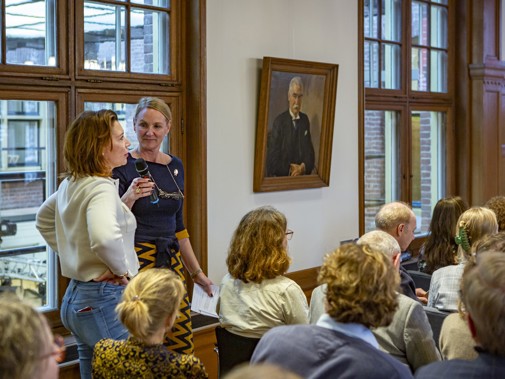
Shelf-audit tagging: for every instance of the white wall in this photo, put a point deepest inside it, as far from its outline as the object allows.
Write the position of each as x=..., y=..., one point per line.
x=239, y=34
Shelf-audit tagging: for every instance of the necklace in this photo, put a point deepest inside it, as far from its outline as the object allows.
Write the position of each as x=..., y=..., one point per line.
x=170, y=195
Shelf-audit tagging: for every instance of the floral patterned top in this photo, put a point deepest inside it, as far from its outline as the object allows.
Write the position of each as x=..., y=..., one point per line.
x=131, y=358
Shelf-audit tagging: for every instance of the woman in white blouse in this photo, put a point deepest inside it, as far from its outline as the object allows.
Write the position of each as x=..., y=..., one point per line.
x=88, y=226
x=254, y=295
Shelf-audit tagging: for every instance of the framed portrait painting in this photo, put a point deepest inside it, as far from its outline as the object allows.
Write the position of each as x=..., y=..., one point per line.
x=295, y=125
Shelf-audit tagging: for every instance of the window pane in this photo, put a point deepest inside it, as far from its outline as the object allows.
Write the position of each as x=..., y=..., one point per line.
x=104, y=37
x=419, y=24
x=156, y=3
x=381, y=162
x=371, y=64
x=445, y=2
x=30, y=31
x=125, y=112
x=438, y=71
x=27, y=177
x=150, y=43
x=439, y=27
x=419, y=69
x=391, y=56
x=370, y=16
x=391, y=20
x=428, y=164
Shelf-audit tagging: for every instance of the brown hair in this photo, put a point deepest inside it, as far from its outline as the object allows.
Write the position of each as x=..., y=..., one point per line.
x=483, y=295
x=497, y=205
x=149, y=298
x=23, y=334
x=440, y=248
x=257, y=249
x=88, y=136
x=361, y=285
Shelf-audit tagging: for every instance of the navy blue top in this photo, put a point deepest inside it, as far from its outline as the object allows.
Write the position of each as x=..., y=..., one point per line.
x=155, y=220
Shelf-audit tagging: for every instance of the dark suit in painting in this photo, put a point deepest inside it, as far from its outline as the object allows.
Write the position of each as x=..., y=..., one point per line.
x=289, y=141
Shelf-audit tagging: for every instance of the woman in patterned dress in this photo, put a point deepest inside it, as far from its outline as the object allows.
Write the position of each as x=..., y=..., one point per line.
x=161, y=239
x=148, y=308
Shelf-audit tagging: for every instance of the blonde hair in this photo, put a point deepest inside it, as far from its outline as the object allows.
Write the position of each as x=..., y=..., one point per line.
x=474, y=224
x=361, y=285
x=88, y=136
x=257, y=249
x=24, y=333
x=148, y=300
x=153, y=103
x=391, y=215
x=483, y=295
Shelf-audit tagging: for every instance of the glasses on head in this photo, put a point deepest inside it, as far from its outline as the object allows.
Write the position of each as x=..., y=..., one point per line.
x=289, y=234
x=58, y=350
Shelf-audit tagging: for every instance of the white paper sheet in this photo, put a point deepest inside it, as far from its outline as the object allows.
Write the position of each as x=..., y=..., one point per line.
x=203, y=303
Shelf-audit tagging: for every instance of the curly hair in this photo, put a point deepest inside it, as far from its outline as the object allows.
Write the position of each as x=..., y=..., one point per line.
x=24, y=335
x=258, y=248
x=391, y=215
x=497, y=205
x=474, y=224
x=149, y=298
x=361, y=285
x=440, y=248
x=483, y=296
x=85, y=141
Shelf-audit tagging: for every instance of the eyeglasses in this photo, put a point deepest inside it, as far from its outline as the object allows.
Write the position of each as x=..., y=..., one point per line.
x=289, y=234
x=59, y=352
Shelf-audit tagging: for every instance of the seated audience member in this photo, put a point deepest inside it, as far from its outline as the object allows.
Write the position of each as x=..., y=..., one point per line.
x=497, y=205
x=254, y=295
x=27, y=346
x=398, y=220
x=148, y=309
x=260, y=371
x=440, y=249
x=483, y=296
x=409, y=337
x=456, y=341
x=361, y=293
x=473, y=224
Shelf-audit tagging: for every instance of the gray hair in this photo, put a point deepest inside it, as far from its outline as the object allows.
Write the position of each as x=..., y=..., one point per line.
x=381, y=241
x=393, y=214
x=296, y=81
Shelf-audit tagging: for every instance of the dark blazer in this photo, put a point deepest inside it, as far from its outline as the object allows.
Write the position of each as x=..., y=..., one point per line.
x=407, y=284
x=288, y=144
x=485, y=366
x=312, y=352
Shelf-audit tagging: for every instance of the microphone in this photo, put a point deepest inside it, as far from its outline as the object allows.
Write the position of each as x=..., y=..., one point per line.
x=143, y=170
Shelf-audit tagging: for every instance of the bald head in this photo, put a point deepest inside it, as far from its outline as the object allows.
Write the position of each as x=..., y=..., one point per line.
x=398, y=220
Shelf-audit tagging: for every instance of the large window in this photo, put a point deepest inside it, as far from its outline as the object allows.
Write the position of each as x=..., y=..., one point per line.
x=57, y=59
x=407, y=105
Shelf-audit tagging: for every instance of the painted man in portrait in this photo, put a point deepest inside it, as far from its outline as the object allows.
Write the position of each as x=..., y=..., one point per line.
x=289, y=146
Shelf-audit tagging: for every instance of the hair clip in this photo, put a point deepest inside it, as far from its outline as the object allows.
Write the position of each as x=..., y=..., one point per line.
x=462, y=238
x=136, y=298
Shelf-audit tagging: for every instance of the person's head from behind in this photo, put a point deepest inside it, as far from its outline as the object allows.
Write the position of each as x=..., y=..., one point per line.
x=150, y=303
x=483, y=296
x=473, y=224
x=27, y=348
x=258, y=248
x=497, y=205
x=361, y=285
x=398, y=220
x=95, y=144
x=260, y=371
x=383, y=242
x=152, y=122
x=295, y=95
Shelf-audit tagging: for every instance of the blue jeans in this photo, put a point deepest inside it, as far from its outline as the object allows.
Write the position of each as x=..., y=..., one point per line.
x=88, y=311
